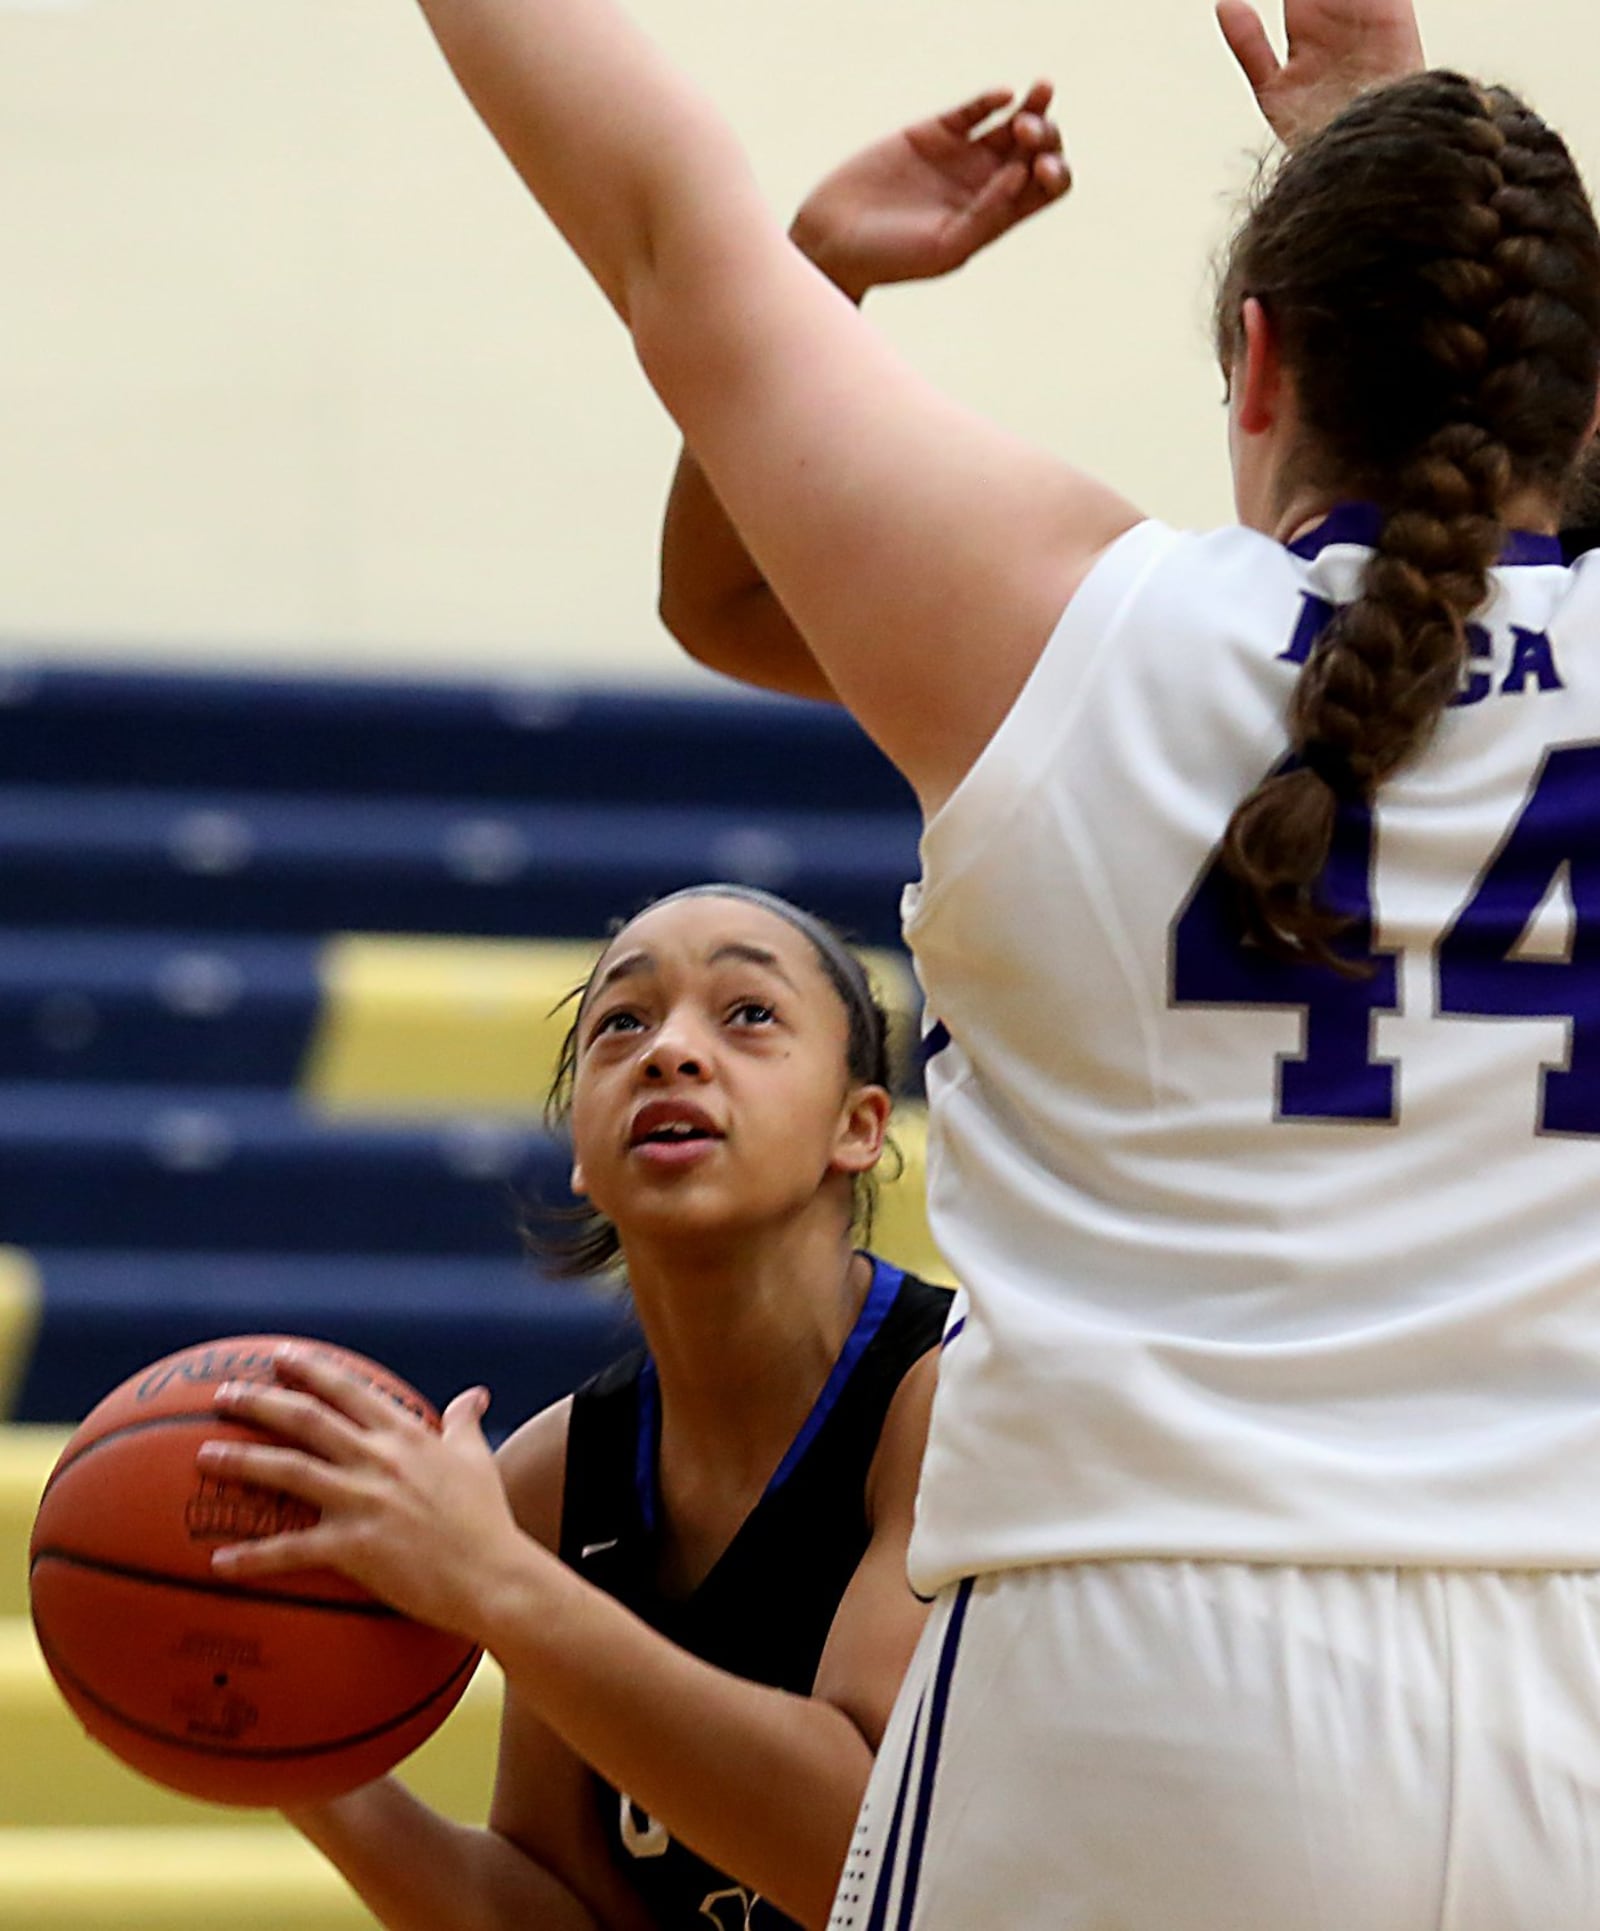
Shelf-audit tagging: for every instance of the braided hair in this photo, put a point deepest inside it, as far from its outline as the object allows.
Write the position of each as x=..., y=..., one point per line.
x=1431, y=265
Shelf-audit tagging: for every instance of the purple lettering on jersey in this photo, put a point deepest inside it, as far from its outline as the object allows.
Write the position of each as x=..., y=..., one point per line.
x=1316, y=613
x=1531, y=656
x=1477, y=683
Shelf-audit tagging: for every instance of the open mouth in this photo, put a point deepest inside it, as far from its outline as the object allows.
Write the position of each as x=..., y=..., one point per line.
x=672, y=1123
x=676, y=1133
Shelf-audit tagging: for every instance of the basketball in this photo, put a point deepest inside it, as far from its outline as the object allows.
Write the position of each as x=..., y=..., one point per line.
x=283, y=1690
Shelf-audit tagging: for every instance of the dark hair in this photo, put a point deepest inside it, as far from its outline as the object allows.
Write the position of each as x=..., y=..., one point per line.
x=1431, y=265
x=578, y=1240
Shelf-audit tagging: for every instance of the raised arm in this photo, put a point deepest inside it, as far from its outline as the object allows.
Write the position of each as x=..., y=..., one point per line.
x=913, y=206
x=1335, y=49
x=924, y=554
x=761, y=1783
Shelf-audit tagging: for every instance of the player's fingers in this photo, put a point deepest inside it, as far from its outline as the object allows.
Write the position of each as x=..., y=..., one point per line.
x=276, y=1555
x=1038, y=97
x=1246, y=35
x=993, y=209
x=1051, y=176
x=1036, y=135
x=1026, y=131
x=464, y=1415
x=1030, y=132
x=285, y=1471
x=963, y=119
x=302, y=1418
x=301, y=1367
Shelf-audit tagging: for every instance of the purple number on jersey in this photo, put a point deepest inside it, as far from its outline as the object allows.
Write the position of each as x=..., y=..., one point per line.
x=1480, y=973
x=1336, y=1074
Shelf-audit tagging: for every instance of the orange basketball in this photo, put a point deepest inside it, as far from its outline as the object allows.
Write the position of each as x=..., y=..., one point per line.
x=280, y=1690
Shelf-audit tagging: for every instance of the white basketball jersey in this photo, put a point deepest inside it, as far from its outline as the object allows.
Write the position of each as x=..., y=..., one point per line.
x=1261, y=1262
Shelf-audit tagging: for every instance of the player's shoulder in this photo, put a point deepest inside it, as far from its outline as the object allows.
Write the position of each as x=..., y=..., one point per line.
x=533, y=1467
x=918, y=1315
x=534, y=1460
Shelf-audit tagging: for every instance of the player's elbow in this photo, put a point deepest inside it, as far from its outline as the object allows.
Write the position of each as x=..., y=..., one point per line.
x=696, y=623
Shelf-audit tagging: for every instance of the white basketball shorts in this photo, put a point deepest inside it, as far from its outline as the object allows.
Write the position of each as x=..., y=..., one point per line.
x=1192, y=1746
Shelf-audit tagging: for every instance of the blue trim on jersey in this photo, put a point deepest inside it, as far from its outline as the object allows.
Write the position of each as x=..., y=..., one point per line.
x=934, y=1040
x=930, y=1751
x=1361, y=522
x=886, y=1280
x=647, y=1453
x=885, y=1286
x=952, y=1331
x=884, y=1882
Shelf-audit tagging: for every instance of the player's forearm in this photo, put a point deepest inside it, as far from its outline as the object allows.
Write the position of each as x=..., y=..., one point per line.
x=417, y=1871
x=762, y=1784
x=630, y=163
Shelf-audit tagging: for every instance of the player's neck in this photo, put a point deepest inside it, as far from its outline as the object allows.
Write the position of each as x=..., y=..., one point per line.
x=1527, y=510
x=744, y=1335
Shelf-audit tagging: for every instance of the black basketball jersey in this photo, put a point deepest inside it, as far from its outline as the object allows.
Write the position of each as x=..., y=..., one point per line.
x=765, y=1608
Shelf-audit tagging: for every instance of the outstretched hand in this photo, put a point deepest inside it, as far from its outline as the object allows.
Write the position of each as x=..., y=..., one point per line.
x=415, y=1514
x=923, y=201
x=1336, y=49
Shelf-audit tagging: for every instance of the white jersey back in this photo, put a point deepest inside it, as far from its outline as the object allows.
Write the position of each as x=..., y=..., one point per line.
x=1261, y=1262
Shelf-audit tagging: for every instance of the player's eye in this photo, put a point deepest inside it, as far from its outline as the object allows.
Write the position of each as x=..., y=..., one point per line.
x=753, y=1012
x=620, y=1021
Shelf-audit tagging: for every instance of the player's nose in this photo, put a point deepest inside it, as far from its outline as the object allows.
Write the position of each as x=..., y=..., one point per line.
x=677, y=1048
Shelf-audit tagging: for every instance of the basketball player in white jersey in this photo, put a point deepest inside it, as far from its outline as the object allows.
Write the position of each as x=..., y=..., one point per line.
x=1258, y=915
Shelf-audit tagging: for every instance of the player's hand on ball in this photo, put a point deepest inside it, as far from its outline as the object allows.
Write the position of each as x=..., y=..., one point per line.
x=926, y=199
x=415, y=1515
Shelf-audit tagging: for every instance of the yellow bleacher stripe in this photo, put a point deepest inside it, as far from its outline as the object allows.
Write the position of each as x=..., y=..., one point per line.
x=250, y=1878
x=900, y=1225
x=19, y=1321
x=53, y=1777
x=436, y=1026
x=27, y=1455
x=427, y=1027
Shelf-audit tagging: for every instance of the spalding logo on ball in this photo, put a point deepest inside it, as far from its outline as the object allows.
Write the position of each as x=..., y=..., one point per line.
x=282, y=1690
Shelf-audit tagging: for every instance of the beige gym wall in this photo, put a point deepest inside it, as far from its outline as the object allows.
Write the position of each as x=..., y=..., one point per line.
x=294, y=373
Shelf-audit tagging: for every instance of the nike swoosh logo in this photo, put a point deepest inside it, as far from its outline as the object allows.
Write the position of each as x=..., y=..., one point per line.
x=597, y=1548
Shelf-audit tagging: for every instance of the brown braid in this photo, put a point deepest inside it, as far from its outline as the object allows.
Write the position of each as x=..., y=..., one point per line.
x=1431, y=265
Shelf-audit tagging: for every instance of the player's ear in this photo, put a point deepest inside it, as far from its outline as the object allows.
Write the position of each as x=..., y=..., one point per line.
x=577, y=1182
x=1258, y=375
x=858, y=1143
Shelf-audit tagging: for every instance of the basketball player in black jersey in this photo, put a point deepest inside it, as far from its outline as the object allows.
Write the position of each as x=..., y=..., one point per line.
x=697, y=1687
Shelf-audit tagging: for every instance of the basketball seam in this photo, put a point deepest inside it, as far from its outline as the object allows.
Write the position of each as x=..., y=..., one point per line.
x=201, y=1585
x=138, y=1428
x=275, y=1754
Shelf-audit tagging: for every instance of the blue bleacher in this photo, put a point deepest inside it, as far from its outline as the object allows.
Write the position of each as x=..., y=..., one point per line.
x=175, y=850
x=103, y=1313
x=365, y=737
x=98, y=1006
x=241, y=861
